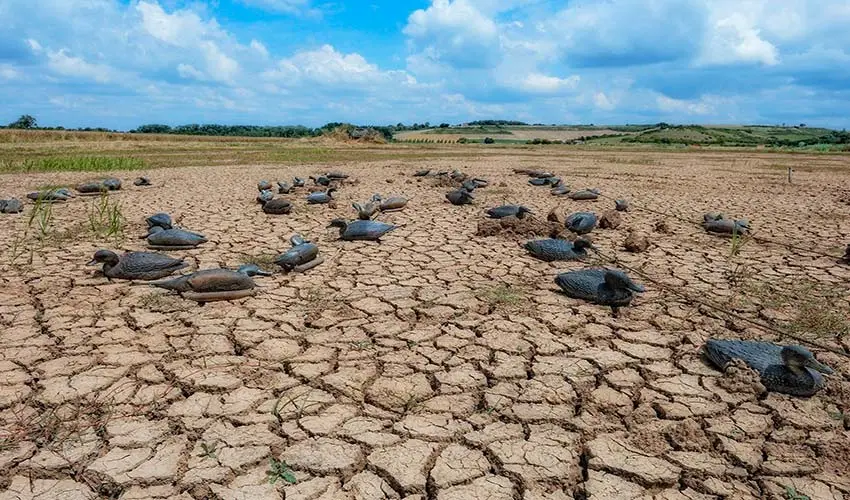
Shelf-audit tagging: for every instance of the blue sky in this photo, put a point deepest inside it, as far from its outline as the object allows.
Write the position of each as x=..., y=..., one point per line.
x=123, y=63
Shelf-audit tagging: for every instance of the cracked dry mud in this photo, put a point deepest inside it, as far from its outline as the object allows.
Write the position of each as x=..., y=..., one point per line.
x=404, y=369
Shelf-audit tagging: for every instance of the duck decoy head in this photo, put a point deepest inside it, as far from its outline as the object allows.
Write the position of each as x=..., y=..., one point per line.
x=252, y=270
x=797, y=358
x=296, y=239
x=376, y=197
x=160, y=219
x=340, y=223
x=583, y=244
x=711, y=216
x=521, y=211
x=103, y=257
x=330, y=190
x=619, y=280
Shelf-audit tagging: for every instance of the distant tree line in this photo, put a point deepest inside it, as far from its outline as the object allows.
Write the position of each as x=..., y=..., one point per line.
x=498, y=123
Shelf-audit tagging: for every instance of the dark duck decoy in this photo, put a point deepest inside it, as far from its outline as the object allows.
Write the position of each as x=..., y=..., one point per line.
x=585, y=194
x=336, y=175
x=560, y=190
x=12, y=206
x=142, y=181
x=136, y=265
x=160, y=219
x=297, y=182
x=91, y=188
x=366, y=210
x=717, y=223
x=469, y=185
x=844, y=260
x=320, y=197
x=173, y=239
x=302, y=256
x=391, y=204
x=215, y=284
x=265, y=196
x=544, y=181
x=517, y=211
x=365, y=230
x=51, y=195
x=460, y=197
x=112, y=183
x=554, y=249
x=283, y=187
x=421, y=173
x=790, y=369
x=277, y=207
x=321, y=180
x=606, y=287
x=539, y=174
x=581, y=222
x=621, y=205
x=264, y=186
x=458, y=175
x=480, y=183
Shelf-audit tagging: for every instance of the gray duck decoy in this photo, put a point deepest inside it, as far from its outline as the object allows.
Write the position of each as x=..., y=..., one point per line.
x=136, y=265
x=320, y=180
x=91, y=187
x=553, y=249
x=560, y=190
x=336, y=175
x=469, y=185
x=581, y=222
x=51, y=195
x=585, y=194
x=12, y=206
x=302, y=256
x=539, y=174
x=320, y=197
x=789, y=369
x=499, y=212
x=142, y=181
x=160, y=219
x=717, y=223
x=621, y=205
x=458, y=175
x=460, y=197
x=215, y=284
x=606, y=287
x=366, y=210
x=112, y=183
x=421, y=173
x=264, y=185
x=265, y=196
x=393, y=203
x=277, y=206
x=541, y=181
x=173, y=239
x=480, y=183
x=297, y=182
x=283, y=187
x=366, y=230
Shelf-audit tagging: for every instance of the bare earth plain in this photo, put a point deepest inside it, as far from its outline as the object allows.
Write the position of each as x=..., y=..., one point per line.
x=437, y=364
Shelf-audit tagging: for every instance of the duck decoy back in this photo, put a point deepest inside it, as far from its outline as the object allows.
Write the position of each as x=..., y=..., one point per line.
x=502, y=211
x=607, y=287
x=160, y=219
x=367, y=230
x=581, y=222
x=302, y=256
x=554, y=249
x=460, y=197
x=136, y=265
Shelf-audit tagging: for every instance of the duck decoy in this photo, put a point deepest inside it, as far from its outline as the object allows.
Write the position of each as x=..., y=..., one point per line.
x=265, y=196
x=560, y=190
x=112, y=183
x=12, y=206
x=366, y=230
x=393, y=203
x=160, y=219
x=50, y=195
x=264, y=185
x=458, y=175
x=539, y=174
x=366, y=210
x=142, y=181
x=319, y=197
x=173, y=239
x=845, y=259
x=302, y=256
x=606, y=287
x=553, y=249
x=717, y=223
x=297, y=182
x=336, y=175
x=91, y=188
x=283, y=187
x=277, y=206
x=469, y=185
x=585, y=194
x=621, y=205
x=460, y=197
x=480, y=183
x=545, y=181
x=789, y=369
x=581, y=222
x=499, y=212
x=421, y=173
x=136, y=265
x=320, y=180
x=215, y=284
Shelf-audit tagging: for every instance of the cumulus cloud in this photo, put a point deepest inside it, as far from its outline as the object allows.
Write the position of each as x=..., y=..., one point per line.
x=734, y=39
x=284, y=6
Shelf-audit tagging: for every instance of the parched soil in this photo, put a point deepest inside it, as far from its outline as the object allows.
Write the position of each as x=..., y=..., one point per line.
x=437, y=364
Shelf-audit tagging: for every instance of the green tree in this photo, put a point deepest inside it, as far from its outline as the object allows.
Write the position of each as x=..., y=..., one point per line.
x=25, y=121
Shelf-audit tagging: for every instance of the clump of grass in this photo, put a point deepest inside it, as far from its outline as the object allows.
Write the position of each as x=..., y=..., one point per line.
x=278, y=469
x=502, y=295
x=264, y=260
x=737, y=243
x=819, y=320
x=791, y=493
x=72, y=164
x=106, y=218
x=208, y=450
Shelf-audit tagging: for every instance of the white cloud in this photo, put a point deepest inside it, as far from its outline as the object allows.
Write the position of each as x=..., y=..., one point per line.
x=454, y=32
x=734, y=39
x=325, y=66
x=536, y=82
x=219, y=66
x=189, y=71
x=301, y=7
x=62, y=63
x=703, y=106
x=260, y=48
x=182, y=28
x=602, y=101
x=34, y=46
